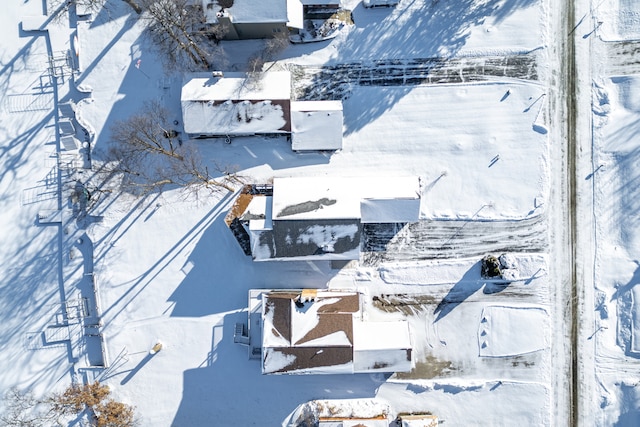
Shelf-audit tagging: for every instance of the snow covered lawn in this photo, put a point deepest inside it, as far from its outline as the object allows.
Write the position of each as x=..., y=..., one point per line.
x=168, y=270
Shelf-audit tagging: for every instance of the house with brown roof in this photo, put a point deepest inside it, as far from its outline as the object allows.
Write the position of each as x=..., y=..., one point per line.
x=313, y=331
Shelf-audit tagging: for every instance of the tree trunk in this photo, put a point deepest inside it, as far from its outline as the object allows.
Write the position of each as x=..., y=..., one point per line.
x=134, y=5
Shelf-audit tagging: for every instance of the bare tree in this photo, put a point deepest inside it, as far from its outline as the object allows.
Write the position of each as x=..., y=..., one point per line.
x=135, y=6
x=149, y=155
x=23, y=409
x=88, y=6
x=272, y=47
x=179, y=31
x=77, y=398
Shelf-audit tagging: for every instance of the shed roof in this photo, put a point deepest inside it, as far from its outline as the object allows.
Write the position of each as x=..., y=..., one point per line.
x=316, y=125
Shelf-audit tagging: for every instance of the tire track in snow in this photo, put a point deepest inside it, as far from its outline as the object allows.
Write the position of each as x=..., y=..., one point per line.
x=623, y=58
x=333, y=81
x=440, y=239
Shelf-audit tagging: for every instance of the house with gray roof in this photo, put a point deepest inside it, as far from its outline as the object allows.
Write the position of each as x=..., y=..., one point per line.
x=319, y=218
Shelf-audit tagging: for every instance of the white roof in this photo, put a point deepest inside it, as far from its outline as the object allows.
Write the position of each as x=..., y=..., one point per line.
x=259, y=213
x=316, y=106
x=392, y=360
x=316, y=125
x=390, y=210
x=384, y=346
x=381, y=335
x=295, y=14
x=419, y=421
x=234, y=118
x=263, y=11
x=356, y=422
x=236, y=86
x=335, y=197
x=235, y=105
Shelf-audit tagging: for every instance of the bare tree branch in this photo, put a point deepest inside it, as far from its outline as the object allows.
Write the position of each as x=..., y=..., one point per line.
x=149, y=155
x=179, y=31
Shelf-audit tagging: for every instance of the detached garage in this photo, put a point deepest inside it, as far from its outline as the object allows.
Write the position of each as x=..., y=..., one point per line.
x=316, y=125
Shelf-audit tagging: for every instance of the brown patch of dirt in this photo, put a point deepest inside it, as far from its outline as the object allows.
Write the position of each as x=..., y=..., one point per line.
x=407, y=304
x=428, y=369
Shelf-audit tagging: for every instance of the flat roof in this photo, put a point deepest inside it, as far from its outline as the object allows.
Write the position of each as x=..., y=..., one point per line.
x=316, y=105
x=316, y=125
x=367, y=335
x=390, y=210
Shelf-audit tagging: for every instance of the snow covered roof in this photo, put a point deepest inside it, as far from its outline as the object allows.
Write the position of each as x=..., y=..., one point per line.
x=256, y=12
x=320, y=217
x=354, y=423
x=258, y=213
x=389, y=210
x=419, y=421
x=337, y=197
x=299, y=240
x=367, y=335
x=383, y=346
x=314, y=331
x=235, y=86
x=236, y=104
x=295, y=14
x=316, y=125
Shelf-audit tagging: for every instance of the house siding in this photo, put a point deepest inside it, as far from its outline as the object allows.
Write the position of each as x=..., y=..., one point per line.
x=260, y=30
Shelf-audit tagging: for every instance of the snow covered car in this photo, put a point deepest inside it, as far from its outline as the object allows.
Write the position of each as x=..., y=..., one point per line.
x=379, y=3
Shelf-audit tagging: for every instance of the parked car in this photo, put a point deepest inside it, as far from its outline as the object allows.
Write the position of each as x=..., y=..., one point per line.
x=379, y=3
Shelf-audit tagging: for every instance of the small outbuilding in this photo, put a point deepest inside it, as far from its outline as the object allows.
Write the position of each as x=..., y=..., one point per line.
x=316, y=125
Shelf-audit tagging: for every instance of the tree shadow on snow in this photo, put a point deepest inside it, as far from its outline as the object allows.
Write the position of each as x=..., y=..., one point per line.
x=385, y=42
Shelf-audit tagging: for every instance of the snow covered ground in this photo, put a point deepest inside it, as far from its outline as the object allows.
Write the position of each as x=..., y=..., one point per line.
x=611, y=184
x=167, y=269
